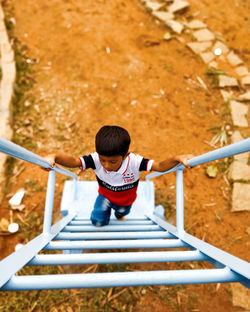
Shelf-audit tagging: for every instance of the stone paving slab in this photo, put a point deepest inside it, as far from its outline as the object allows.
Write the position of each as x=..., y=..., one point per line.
x=233, y=59
x=178, y=5
x=242, y=71
x=222, y=46
x=163, y=16
x=175, y=26
x=207, y=57
x=195, y=24
x=244, y=96
x=203, y=35
x=226, y=81
x=198, y=47
x=241, y=197
x=239, y=170
x=239, y=112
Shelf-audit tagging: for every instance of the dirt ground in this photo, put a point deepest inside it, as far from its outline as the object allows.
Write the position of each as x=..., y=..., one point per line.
x=106, y=62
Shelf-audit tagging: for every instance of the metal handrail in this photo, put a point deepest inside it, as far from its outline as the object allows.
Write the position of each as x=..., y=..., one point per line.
x=230, y=150
x=223, y=152
x=19, y=152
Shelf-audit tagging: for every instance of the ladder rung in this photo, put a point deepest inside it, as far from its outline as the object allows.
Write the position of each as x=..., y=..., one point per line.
x=121, y=279
x=115, y=222
x=111, y=220
x=118, y=257
x=113, y=235
x=112, y=228
x=114, y=244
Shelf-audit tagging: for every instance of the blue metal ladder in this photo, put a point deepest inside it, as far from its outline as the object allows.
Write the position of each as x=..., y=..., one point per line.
x=144, y=229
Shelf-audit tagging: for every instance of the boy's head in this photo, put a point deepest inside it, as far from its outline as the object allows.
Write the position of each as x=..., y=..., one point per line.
x=112, y=145
x=112, y=141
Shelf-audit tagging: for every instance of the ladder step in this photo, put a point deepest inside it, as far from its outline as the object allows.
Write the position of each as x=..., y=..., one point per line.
x=111, y=228
x=117, y=244
x=114, y=235
x=121, y=279
x=118, y=257
x=112, y=220
x=115, y=222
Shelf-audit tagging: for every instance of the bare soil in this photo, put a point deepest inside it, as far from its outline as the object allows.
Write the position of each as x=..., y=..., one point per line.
x=106, y=62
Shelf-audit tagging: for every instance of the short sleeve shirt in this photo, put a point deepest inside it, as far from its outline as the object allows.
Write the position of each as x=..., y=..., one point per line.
x=118, y=186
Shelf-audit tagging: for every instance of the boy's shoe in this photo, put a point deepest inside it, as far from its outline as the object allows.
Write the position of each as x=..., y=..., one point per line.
x=121, y=219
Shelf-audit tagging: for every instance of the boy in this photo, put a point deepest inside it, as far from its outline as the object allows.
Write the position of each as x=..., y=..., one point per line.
x=117, y=171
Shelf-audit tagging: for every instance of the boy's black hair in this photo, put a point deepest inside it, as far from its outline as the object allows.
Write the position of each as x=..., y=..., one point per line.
x=112, y=141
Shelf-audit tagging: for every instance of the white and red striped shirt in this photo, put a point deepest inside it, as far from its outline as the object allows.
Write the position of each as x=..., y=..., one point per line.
x=118, y=186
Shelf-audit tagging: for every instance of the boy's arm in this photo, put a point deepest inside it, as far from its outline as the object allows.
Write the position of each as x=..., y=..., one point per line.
x=171, y=162
x=64, y=160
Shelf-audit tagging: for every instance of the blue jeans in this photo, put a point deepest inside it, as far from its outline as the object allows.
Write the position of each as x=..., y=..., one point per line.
x=102, y=209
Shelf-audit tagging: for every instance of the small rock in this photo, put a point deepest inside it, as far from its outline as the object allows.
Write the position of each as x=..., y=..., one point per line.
x=246, y=80
x=198, y=47
x=133, y=102
x=13, y=227
x=226, y=81
x=233, y=59
x=175, y=26
x=17, y=198
x=221, y=46
x=239, y=111
x=178, y=5
x=196, y=24
x=242, y=71
x=163, y=16
x=203, y=35
x=207, y=57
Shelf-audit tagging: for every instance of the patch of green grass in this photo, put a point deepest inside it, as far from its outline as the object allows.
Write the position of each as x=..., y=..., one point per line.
x=1, y=74
x=8, y=24
x=9, y=167
x=214, y=74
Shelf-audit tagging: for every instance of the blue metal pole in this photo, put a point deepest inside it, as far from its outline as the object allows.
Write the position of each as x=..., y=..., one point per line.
x=118, y=257
x=111, y=228
x=114, y=244
x=49, y=202
x=113, y=222
x=113, y=235
x=179, y=201
x=123, y=279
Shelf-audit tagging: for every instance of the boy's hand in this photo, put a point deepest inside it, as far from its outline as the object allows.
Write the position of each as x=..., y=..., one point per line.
x=183, y=159
x=51, y=159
